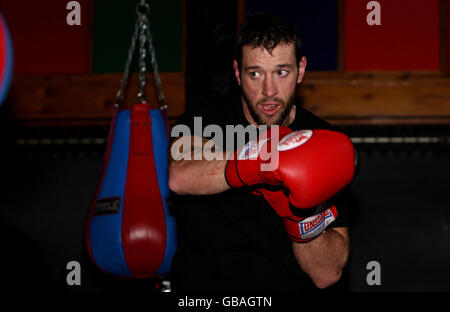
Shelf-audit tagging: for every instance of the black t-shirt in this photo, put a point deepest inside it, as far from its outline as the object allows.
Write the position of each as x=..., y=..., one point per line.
x=234, y=241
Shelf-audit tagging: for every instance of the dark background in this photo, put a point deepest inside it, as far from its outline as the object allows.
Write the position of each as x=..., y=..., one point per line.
x=400, y=217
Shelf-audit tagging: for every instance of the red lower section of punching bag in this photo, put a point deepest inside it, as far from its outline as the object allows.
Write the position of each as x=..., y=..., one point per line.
x=130, y=231
x=143, y=229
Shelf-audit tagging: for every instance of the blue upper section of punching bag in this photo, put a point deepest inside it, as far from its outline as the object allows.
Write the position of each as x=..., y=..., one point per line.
x=7, y=63
x=106, y=230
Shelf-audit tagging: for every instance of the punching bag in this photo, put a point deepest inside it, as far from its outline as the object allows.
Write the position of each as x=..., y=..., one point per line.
x=6, y=59
x=130, y=231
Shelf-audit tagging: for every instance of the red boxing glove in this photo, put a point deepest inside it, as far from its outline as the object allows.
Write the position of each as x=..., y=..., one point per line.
x=247, y=165
x=313, y=165
x=300, y=229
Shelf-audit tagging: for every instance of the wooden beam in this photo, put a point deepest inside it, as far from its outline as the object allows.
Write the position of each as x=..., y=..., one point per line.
x=342, y=98
x=84, y=99
x=371, y=98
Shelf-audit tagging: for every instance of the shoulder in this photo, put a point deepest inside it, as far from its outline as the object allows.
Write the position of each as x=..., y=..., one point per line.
x=304, y=119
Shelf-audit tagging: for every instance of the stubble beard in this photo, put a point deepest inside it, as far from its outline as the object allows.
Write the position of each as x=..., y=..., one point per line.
x=276, y=120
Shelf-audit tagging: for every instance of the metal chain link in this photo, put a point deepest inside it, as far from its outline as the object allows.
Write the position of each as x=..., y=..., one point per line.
x=141, y=30
x=126, y=73
x=143, y=26
x=156, y=77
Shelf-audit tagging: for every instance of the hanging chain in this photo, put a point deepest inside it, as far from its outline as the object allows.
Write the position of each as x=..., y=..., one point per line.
x=161, y=97
x=126, y=73
x=141, y=30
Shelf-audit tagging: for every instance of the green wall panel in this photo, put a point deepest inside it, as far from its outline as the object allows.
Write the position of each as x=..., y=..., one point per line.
x=113, y=27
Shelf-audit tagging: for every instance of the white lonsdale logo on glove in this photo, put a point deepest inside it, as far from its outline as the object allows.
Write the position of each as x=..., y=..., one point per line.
x=314, y=225
x=294, y=139
x=252, y=149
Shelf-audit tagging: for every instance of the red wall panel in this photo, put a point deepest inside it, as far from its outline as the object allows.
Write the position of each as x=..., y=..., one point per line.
x=407, y=39
x=447, y=14
x=43, y=41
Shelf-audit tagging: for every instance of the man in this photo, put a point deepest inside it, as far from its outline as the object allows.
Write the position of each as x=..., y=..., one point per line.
x=232, y=239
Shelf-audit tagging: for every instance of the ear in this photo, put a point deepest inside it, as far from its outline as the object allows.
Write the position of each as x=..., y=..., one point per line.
x=301, y=69
x=237, y=73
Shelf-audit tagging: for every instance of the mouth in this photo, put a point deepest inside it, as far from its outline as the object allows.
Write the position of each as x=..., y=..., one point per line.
x=270, y=108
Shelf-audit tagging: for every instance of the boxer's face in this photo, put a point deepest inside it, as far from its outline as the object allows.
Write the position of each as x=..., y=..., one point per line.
x=268, y=82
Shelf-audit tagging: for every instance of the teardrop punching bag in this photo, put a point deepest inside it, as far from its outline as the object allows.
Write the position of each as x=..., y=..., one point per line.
x=6, y=59
x=130, y=231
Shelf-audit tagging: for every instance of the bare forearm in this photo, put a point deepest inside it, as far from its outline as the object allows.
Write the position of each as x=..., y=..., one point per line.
x=197, y=177
x=324, y=258
x=194, y=170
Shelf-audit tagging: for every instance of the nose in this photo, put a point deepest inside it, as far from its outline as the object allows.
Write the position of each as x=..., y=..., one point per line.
x=269, y=87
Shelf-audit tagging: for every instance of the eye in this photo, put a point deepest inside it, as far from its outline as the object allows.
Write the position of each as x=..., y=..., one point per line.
x=283, y=73
x=254, y=75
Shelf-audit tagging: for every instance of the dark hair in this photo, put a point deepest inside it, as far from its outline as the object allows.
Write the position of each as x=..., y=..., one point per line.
x=267, y=30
